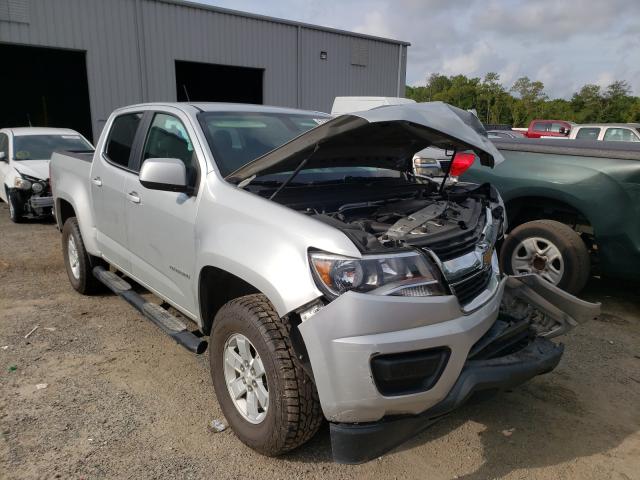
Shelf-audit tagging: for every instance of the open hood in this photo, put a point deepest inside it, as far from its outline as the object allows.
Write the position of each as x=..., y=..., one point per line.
x=384, y=137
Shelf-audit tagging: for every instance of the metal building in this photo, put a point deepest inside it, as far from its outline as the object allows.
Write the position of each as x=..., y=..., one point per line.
x=69, y=63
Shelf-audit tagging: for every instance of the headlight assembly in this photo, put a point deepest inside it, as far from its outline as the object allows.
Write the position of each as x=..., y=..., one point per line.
x=21, y=183
x=403, y=274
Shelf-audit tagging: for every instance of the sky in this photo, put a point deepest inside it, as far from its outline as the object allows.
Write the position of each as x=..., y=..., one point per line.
x=563, y=43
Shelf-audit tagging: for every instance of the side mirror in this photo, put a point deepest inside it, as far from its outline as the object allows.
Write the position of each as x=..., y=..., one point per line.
x=3, y=157
x=168, y=174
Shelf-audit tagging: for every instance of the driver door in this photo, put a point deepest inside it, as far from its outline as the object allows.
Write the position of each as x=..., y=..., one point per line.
x=161, y=224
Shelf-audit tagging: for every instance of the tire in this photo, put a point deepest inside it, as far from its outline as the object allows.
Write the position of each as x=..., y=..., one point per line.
x=293, y=414
x=16, y=207
x=79, y=269
x=536, y=236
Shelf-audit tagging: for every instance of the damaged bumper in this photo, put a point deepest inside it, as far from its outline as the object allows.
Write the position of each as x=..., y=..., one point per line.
x=357, y=443
x=387, y=367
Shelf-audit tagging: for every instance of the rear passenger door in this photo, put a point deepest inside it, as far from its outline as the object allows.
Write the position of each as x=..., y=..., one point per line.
x=162, y=224
x=109, y=172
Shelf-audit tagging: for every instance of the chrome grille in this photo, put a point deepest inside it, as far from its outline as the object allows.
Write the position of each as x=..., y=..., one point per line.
x=471, y=286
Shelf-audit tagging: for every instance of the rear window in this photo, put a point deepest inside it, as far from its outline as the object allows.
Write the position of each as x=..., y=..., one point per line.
x=550, y=127
x=236, y=138
x=588, y=133
x=120, y=142
x=41, y=147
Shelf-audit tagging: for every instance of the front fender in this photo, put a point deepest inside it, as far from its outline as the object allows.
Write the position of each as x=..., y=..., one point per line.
x=264, y=244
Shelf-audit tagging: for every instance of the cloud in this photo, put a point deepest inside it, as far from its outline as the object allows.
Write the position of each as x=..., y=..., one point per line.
x=563, y=44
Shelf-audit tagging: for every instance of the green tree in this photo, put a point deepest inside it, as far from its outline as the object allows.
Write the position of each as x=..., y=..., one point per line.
x=617, y=101
x=587, y=104
x=527, y=100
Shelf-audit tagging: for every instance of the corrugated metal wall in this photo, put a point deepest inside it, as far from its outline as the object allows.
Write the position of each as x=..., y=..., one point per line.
x=131, y=47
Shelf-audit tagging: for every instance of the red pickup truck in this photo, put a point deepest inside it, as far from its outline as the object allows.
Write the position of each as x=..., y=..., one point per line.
x=548, y=128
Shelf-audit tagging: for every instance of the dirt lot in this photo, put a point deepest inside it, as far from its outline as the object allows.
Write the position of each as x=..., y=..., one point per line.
x=124, y=401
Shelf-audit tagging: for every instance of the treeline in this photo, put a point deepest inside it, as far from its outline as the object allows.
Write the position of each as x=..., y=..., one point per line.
x=526, y=100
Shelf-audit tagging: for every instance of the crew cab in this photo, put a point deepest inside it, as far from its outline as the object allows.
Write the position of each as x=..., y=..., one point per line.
x=332, y=281
x=548, y=128
x=24, y=167
x=607, y=132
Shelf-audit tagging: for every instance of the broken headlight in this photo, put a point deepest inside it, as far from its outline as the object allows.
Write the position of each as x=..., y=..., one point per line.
x=403, y=274
x=21, y=183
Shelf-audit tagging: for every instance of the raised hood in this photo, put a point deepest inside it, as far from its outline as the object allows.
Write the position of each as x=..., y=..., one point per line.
x=385, y=137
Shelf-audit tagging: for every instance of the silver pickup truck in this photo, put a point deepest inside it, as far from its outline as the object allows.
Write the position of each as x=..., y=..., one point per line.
x=333, y=281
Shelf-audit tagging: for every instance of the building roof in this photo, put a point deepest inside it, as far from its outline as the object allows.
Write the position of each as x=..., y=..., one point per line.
x=228, y=11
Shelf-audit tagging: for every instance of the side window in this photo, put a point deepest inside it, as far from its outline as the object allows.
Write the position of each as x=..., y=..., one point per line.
x=588, y=133
x=167, y=138
x=620, y=135
x=4, y=145
x=540, y=126
x=120, y=141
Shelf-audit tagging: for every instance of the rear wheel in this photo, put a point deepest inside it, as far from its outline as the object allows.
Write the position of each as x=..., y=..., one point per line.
x=79, y=264
x=550, y=249
x=16, y=207
x=268, y=399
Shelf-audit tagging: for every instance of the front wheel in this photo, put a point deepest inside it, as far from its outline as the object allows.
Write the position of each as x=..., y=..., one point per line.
x=268, y=399
x=550, y=249
x=16, y=207
x=79, y=264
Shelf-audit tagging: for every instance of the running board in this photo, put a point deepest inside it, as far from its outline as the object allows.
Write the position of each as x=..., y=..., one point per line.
x=158, y=315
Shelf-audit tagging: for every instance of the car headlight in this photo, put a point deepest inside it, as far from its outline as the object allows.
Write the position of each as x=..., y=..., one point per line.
x=21, y=183
x=403, y=274
x=37, y=187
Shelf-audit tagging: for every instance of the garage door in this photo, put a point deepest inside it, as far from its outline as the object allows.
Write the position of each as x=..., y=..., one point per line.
x=44, y=87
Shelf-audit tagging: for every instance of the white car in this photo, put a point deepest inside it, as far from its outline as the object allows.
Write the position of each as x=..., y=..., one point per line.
x=24, y=167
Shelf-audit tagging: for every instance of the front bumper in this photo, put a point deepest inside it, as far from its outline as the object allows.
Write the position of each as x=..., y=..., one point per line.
x=344, y=338
x=357, y=443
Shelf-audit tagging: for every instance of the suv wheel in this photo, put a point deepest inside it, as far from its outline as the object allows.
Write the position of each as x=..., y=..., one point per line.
x=550, y=249
x=79, y=264
x=268, y=399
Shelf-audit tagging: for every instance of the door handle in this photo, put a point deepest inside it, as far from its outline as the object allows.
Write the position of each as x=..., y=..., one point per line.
x=97, y=181
x=133, y=197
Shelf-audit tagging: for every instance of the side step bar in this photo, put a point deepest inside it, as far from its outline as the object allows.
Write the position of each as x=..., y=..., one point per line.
x=158, y=315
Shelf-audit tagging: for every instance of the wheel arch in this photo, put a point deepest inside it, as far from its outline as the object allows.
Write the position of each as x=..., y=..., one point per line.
x=525, y=208
x=64, y=210
x=216, y=287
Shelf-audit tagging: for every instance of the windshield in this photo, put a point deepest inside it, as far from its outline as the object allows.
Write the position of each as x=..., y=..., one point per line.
x=41, y=147
x=236, y=138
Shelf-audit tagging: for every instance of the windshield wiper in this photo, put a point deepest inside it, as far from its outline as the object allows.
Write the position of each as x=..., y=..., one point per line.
x=294, y=173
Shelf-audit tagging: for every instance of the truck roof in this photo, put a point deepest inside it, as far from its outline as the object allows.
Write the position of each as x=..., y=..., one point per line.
x=227, y=107
x=602, y=125
x=23, y=131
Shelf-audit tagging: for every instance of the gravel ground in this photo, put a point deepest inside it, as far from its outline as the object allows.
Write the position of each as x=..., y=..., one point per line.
x=124, y=401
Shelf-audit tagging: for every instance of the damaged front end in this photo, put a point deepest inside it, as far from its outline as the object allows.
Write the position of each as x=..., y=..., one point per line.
x=423, y=319
x=515, y=349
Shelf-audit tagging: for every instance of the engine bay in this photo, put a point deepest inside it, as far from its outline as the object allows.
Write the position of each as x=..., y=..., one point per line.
x=423, y=220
